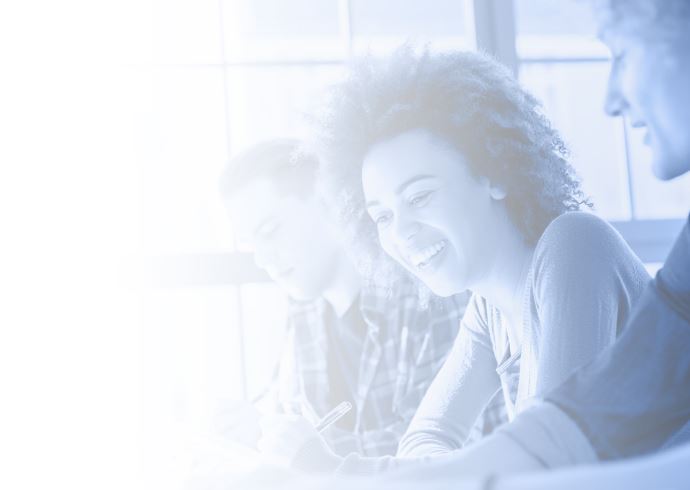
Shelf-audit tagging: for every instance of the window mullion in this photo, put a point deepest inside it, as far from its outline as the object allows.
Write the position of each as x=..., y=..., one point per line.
x=491, y=27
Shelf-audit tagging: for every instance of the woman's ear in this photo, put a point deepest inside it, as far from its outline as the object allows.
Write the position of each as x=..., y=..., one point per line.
x=497, y=192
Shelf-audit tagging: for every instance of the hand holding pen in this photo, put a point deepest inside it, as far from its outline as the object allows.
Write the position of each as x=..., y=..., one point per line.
x=285, y=435
x=333, y=416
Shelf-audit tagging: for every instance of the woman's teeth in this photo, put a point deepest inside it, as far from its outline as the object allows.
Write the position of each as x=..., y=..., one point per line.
x=422, y=258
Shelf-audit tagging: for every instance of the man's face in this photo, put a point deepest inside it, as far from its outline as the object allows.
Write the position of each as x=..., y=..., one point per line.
x=290, y=237
x=650, y=83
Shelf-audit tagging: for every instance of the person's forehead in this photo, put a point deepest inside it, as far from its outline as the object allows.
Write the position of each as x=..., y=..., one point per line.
x=409, y=154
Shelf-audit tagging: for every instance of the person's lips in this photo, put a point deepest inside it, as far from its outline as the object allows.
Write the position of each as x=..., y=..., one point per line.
x=422, y=257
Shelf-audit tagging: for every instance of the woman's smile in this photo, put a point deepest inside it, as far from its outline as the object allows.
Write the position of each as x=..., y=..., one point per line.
x=421, y=259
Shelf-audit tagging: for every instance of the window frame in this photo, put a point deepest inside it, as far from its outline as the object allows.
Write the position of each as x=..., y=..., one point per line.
x=491, y=27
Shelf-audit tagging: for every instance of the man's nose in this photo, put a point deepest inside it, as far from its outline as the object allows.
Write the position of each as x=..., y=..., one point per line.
x=264, y=255
x=614, y=103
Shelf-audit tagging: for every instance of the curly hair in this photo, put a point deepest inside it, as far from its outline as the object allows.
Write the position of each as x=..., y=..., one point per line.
x=292, y=167
x=470, y=101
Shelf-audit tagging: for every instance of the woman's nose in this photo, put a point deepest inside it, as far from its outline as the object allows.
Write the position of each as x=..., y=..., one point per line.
x=406, y=229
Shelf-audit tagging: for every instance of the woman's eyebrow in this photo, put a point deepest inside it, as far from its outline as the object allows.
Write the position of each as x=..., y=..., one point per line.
x=411, y=181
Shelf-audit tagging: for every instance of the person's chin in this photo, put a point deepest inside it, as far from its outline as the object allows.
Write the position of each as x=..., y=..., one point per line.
x=667, y=168
x=300, y=295
x=443, y=288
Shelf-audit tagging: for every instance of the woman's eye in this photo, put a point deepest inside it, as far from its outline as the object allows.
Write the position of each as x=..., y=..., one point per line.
x=420, y=199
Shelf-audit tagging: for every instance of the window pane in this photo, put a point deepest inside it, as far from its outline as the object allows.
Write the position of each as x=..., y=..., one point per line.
x=573, y=94
x=382, y=25
x=264, y=313
x=652, y=198
x=280, y=30
x=186, y=31
x=185, y=141
x=191, y=346
x=268, y=102
x=556, y=29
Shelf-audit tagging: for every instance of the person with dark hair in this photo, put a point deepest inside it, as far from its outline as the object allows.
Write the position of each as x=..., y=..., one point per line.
x=467, y=186
x=631, y=405
x=348, y=339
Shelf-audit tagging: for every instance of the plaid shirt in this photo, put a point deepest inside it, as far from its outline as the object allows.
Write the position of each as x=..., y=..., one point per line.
x=404, y=347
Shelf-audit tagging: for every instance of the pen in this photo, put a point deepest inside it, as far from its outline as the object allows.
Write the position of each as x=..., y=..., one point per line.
x=333, y=416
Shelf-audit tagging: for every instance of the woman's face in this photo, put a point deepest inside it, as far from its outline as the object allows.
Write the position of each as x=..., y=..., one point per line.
x=433, y=216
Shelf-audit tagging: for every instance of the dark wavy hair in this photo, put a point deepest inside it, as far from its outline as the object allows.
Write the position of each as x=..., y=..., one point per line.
x=469, y=100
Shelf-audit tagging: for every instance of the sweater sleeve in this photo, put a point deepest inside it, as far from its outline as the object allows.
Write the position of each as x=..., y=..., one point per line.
x=459, y=392
x=636, y=395
x=541, y=437
x=585, y=280
x=451, y=405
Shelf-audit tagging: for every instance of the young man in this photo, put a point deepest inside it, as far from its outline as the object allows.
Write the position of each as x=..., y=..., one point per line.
x=348, y=340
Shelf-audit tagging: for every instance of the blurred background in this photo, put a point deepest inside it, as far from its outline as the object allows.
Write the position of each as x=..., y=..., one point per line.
x=117, y=120
x=231, y=73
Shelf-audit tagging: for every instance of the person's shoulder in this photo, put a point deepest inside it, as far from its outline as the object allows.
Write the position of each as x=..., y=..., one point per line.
x=579, y=231
x=577, y=224
x=579, y=239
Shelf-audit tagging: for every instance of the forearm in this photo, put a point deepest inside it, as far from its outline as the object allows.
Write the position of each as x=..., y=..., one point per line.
x=539, y=438
x=496, y=454
x=455, y=399
x=667, y=469
x=427, y=441
x=315, y=457
x=528, y=446
x=550, y=437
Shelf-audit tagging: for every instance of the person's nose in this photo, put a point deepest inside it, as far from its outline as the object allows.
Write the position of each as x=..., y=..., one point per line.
x=614, y=103
x=405, y=229
x=264, y=255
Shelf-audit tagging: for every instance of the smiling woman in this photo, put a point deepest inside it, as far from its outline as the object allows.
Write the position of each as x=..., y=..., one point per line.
x=476, y=106
x=418, y=183
x=468, y=187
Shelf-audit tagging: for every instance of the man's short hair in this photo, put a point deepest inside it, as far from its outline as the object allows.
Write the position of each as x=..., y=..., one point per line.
x=283, y=162
x=646, y=18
